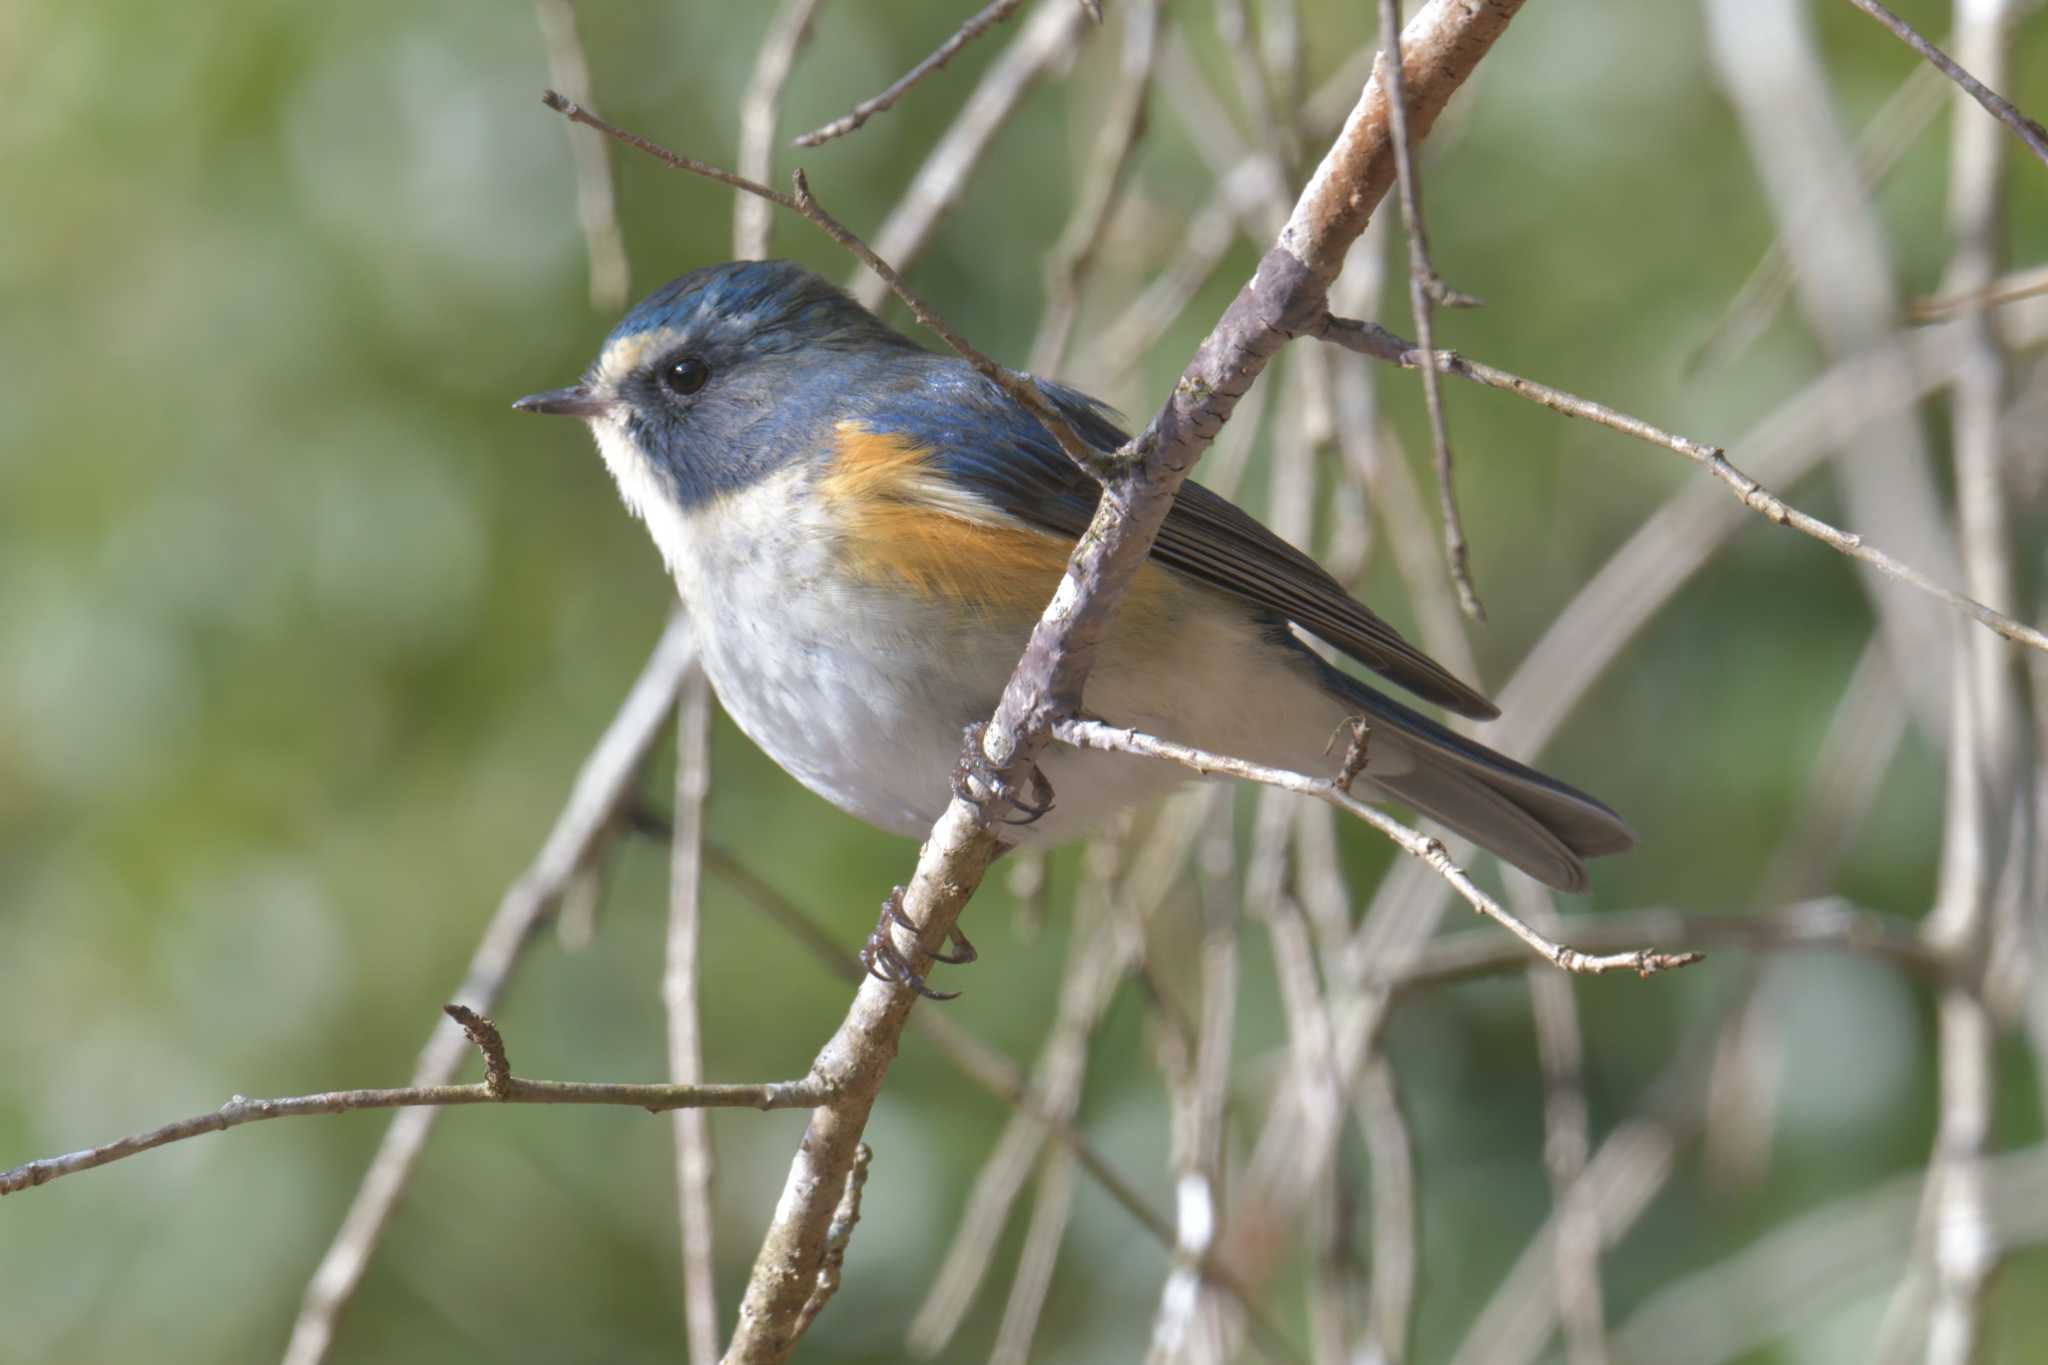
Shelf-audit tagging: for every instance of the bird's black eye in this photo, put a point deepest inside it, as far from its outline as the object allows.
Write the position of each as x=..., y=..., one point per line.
x=686, y=376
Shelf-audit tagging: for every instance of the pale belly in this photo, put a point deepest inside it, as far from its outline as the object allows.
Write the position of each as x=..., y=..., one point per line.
x=862, y=692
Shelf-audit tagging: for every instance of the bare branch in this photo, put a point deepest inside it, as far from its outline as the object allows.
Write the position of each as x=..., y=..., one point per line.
x=1123, y=125
x=1425, y=291
x=1880, y=147
x=1825, y=923
x=655, y=1099
x=2024, y=284
x=979, y=24
x=1369, y=339
x=597, y=207
x=1283, y=299
x=1396, y=1260
x=839, y=1236
x=753, y=226
x=1095, y=734
x=2000, y=108
x=1054, y=29
x=679, y=991
x=597, y=800
x=1018, y=386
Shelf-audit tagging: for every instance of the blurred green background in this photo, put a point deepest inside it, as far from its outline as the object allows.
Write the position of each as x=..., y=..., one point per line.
x=303, y=632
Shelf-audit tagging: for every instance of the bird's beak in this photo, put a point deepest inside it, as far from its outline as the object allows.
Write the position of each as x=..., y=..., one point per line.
x=571, y=402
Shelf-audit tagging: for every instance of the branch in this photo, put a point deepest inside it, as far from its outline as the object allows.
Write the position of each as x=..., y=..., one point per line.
x=1283, y=299
x=597, y=207
x=1377, y=342
x=753, y=228
x=2000, y=108
x=2024, y=284
x=1018, y=386
x=1425, y=291
x=597, y=800
x=1049, y=36
x=679, y=995
x=1095, y=734
x=508, y=1089
x=976, y=26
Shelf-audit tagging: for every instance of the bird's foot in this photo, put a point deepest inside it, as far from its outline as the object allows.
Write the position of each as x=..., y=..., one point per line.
x=885, y=962
x=983, y=785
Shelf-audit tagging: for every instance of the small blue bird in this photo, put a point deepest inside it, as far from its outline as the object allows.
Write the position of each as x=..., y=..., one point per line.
x=864, y=532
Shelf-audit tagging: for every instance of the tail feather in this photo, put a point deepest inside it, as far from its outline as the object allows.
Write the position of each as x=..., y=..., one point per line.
x=1532, y=820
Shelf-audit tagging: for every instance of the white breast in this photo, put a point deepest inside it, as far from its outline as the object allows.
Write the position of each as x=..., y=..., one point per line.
x=862, y=694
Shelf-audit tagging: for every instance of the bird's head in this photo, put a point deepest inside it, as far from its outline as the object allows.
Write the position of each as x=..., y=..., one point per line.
x=722, y=376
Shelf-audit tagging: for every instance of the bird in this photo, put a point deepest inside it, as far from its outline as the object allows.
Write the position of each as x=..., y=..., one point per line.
x=863, y=533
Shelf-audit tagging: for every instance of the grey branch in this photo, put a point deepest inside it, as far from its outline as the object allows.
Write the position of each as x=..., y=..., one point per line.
x=1425, y=291
x=1018, y=386
x=1095, y=734
x=1999, y=107
x=753, y=223
x=597, y=207
x=603, y=789
x=979, y=24
x=655, y=1099
x=1369, y=339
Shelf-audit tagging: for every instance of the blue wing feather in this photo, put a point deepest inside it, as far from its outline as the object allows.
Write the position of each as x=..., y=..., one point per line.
x=988, y=444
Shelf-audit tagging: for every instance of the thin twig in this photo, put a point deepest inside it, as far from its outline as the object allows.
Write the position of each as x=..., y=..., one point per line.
x=2000, y=108
x=1880, y=146
x=1019, y=387
x=2024, y=284
x=1122, y=127
x=1053, y=31
x=753, y=225
x=602, y=790
x=1567, y=1140
x=1095, y=734
x=1396, y=1258
x=679, y=995
x=655, y=1099
x=1826, y=923
x=1051, y=1210
x=1286, y=295
x=979, y=24
x=597, y=207
x=1810, y=1268
x=1770, y=62
x=1369, y=339
x=1001, y=1078
x=1425, y=291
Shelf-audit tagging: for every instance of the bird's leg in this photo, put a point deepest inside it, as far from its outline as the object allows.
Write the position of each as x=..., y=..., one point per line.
x=963, y=951
x=975, y=769
x=885, y=962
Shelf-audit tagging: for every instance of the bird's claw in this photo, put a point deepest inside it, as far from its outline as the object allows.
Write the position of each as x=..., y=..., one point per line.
x=975, y=769
x=885, y=962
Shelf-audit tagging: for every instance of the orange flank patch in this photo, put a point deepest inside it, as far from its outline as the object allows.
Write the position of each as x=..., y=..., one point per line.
x=904, y=525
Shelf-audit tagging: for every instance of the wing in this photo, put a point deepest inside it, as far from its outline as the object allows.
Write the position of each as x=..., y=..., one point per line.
x=986, y=443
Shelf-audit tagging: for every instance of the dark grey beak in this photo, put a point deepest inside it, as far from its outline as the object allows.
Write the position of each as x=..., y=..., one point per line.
x=572, y=402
